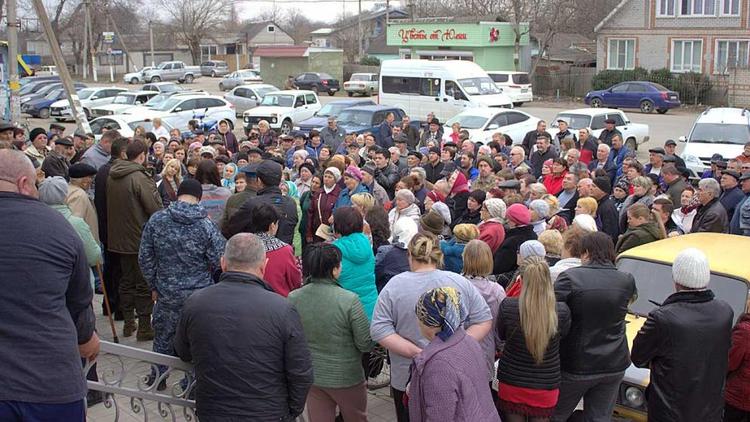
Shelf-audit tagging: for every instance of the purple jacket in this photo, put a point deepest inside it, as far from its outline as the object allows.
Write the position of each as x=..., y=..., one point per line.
x=449, y=382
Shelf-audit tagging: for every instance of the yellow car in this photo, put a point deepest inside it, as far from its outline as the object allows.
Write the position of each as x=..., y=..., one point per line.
x=651, y=266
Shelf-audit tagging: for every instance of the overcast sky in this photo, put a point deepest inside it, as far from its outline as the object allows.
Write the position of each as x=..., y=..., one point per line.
x=327, y=11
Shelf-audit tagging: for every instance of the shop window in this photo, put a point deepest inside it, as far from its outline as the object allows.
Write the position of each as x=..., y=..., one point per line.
x=686, y=56
x=621, y=54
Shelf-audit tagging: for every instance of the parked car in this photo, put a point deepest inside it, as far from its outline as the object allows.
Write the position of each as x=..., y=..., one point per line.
x=172, y=71
x=646, y=96
x=317, y=82
x=283, y=109
x=483, y=122
x=46, y=89
x=122, y=102
x=361, y=119
x=515, y=85
x=362, y=83
x=241, y=77
x=46, y=71
x=245, y=97
x=29, y=79
x=90, y=98
x=162, y=87
x=136, y=77
x=651, y=266
x=722, y=130
x=214, y=68
x=179, y=109
x=34, y=86
x=39, y=107
x=124, y=123
x=334, y=108
x=634, y=134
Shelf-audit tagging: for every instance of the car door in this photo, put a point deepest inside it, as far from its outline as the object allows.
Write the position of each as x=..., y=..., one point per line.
x=301, y=81
x=309, y=109
x=618, y=96
x=454, y=99
x=496, y=124
x=240, y=98
x=98, y=124
x=229, y=81
x=518, y=125
x=300, y=109
x=182, y=113
x=214, y=108
x=636, y=92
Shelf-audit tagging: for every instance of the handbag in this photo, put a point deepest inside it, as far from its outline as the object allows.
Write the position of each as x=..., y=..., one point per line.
x=324, y=231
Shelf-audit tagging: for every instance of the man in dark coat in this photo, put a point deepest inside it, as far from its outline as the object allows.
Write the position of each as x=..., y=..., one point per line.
x=675, y=183
x=685, y=342
x=385, y=131
x=544, y=152
x=731, y=195
x=711, y=216
x=251, y=358
x=266, y=176
x=568, y=197
x=608, y=132
x=606, y=212
x=433, y=167
x=531, y=137
x=57, y=163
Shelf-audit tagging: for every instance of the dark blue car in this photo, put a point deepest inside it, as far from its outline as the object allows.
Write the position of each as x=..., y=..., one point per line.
x=334, y=108
x=363, y=119
x=646, y=96
x=39, y=107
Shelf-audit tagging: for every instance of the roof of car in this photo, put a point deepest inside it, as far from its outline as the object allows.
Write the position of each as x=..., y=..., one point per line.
x=139, y=93
x=724, y=115
x=161, y=83
x=294, y=92
x=726, y=253
x=488, y=111
x=376, y=107
x=255, y=86
x=590, y=111
x=357, y=101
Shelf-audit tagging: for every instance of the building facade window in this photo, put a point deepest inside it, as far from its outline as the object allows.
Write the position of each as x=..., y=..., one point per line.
x=697, y=7
x=621, y=54
x=687, y=56
x=665, y=8
x=209, y=50
x=731, y=54
x=730, y=7
x=270, y=28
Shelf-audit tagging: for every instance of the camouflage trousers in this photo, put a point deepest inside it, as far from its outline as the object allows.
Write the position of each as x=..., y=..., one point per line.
x=165, y=319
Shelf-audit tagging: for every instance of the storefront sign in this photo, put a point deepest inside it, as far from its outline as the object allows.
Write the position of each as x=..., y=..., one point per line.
x=437, y=35
x=480, y=34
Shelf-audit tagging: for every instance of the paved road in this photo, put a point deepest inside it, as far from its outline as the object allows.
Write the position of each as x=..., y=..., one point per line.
x=662, y=127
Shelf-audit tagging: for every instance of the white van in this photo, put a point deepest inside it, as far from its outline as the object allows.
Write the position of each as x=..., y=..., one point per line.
x=445, y=87
x=46, y=71
x=720, y=130
x=516, y=85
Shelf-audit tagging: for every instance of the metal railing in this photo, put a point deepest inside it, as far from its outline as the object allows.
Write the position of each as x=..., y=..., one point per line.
x=127, y=371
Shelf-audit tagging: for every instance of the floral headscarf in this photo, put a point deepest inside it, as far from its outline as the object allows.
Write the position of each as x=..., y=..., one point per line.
x=441, y=308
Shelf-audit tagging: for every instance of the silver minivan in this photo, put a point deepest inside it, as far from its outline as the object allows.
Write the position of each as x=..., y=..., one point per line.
x=214, y=68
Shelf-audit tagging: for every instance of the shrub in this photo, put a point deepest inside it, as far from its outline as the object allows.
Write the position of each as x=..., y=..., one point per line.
x=369, y=61
x=693, y=87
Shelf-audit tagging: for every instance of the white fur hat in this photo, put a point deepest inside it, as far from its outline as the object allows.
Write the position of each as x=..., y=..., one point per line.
x=690, y=269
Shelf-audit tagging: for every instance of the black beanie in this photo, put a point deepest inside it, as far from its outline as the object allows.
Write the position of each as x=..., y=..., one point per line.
x=603, y=183
x=36, y=132
x=190, y=187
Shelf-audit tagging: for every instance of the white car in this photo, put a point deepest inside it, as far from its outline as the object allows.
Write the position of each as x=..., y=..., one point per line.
x=136, y=77
x=721, y=130
x=515, y=85
x=162, y=87
x=633, y=134
x=122, y=102
x=123, y=123
x=90, y=98
x=483, y=122
x=283, y=109
x=362, y=83
x=179, y=109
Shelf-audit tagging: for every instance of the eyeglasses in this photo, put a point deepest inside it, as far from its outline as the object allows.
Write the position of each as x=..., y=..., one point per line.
x=515, y=153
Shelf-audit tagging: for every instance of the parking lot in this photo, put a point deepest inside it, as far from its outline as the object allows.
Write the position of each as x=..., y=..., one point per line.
x=672, y=125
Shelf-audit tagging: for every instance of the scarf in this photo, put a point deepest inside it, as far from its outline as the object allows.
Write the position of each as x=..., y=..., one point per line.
x=271, y=243
x=460, y=184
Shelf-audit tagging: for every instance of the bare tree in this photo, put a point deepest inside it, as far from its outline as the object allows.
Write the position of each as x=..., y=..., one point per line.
x=192, y=20
x=556, y=17
x=297, y=25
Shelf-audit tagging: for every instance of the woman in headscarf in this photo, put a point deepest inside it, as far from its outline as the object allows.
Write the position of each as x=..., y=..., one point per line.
x=230, y=172
x=459, y=195
x=322, y=203
x=304, y=181
x=453, y=249
x=446, y=383
x=394, y=324
x=531, y=326
x=353, y=185
x=519, y=231
x=405, y=207
x=305, y=203
x=432, y=197
x=491, y=229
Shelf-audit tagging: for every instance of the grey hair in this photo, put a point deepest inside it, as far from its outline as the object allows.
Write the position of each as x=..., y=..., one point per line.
x=538, y=189
x=422, y=173
x=710, y=185
x=605, y=146
x=519, y=149
x=585, y=129
x=244, y=251
x=406, y=195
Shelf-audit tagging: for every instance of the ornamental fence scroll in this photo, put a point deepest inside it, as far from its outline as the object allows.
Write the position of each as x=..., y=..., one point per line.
x=127, y=378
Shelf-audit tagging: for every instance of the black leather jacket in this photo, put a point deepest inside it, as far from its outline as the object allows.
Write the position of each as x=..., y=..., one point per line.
x=240, y=220
x=598, y=297
x=685, y=342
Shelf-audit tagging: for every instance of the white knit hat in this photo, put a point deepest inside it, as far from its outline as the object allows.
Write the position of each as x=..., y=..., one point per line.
x=690, y=269
x=531, y=248
x=496, y=207
x=585, y=222
x=443, y=210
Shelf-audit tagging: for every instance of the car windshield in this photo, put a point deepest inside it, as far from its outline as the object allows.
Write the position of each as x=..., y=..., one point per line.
x=468, y=121
x=262, y=91
x=156, y=100
x=48, y=88
x=162, y=65
x=169, y=88
x=482, y=85
x=575, y=121
x=85, y=93
x=145, y=124
x=355, y=118
x=653, y=282
x=331, y=110
x=248, y=75
x=278, y=100
x=124, y=99
x=521, y=79
x=720, y=133
x=356, y=77
x=168, y=104
x=53, y=94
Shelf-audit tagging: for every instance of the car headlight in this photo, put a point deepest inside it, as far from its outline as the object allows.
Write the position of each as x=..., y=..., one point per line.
x=274, y=120
x=109, y=112
x=295, y=128
x=25, y=100
x=634, y=397
x=692, y=159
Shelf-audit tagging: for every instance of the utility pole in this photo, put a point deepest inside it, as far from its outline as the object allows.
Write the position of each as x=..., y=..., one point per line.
x=85, y=44
x=13, y=25
x=359, y=30
x=151, y=40
x=75, y=102
x=92, y=50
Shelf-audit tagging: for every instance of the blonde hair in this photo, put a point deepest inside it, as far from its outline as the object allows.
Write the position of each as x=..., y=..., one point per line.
x=552, y=241
x=477, y=258
x=537, y=307
x=643, y=182
x=178, y=176
x=425, y=248
x=363, y=200
x=553, y=202
x=589, y=204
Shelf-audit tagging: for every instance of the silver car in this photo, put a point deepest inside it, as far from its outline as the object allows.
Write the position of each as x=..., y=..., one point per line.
x=214, y=68
x=241, y=77
x=245, y=97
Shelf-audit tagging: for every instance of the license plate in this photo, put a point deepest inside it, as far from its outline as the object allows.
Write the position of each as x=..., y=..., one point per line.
x=524, y=90
x=673, y=97
x=54, y=113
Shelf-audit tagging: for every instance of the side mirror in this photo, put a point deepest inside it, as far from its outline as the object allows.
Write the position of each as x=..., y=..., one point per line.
x=253, y=97
x=493, y=126
x=178, y=109
x=95, y=97
x=682, y=139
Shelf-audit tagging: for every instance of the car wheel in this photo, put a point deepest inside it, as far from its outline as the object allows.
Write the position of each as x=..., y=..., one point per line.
x=189, y=79
x=59, y=119
x=133, y=81
x=231, y=125
x=662, y=111
x=155, y=79
x=213, y=74
x=221, y=87
x=44, y=113
x=331, y=93
x=647, y=106
x=350, y=93
x=631, y=144
x=596, y=102
x=315, y=89
x=517, y=104
x=286, y=127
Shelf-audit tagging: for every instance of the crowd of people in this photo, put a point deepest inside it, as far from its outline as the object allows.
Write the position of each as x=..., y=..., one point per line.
x=288, y=267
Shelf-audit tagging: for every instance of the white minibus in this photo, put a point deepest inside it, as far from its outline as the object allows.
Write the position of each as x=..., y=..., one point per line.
x=445, y=87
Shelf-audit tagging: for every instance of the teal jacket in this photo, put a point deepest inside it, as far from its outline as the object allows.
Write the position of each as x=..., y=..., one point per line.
x=358, y=269
x=93, y=252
